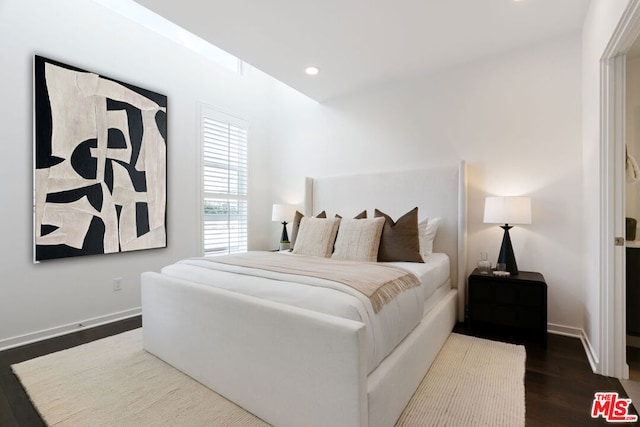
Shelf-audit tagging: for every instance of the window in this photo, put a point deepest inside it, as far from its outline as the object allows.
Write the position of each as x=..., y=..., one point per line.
x=224, y=157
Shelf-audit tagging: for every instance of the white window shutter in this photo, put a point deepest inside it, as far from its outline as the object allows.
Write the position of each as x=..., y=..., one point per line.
x=224, y=183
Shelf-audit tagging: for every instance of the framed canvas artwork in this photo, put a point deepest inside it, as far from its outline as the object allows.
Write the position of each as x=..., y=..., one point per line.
x=100, y=164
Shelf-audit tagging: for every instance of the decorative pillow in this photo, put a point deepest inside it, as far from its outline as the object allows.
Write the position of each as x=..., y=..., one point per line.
x=361, y=215
x=295, y=225
x=400, y=241
x=428, y=228
x=358, y=239
x=316, y=236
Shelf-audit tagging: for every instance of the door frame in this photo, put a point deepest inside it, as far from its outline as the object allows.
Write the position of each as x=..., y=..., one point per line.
x=612, y=195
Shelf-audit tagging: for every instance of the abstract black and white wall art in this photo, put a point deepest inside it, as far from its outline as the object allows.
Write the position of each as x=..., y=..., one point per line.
x=100, y=164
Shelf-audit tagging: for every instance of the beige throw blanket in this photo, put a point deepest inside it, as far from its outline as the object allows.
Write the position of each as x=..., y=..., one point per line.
x=378, y=282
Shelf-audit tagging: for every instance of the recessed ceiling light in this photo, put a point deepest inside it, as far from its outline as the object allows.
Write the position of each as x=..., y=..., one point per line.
x=312, y=71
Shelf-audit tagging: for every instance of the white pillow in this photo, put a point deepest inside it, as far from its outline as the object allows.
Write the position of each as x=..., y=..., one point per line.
x=316, y=236
x=427, y=230
x=358, y=239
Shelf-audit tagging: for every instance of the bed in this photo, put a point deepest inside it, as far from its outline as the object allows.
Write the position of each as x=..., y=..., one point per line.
x=290, y=363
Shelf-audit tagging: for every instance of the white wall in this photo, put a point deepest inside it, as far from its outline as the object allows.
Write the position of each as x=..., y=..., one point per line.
x=53, y=296
x=516, y=120
x=599, y=25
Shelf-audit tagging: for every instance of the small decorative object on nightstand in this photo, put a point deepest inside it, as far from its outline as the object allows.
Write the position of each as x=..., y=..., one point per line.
x=484, y=265
x=516, y=304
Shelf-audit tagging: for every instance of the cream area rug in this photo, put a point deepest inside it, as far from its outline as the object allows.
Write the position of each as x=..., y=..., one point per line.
x=114, y=382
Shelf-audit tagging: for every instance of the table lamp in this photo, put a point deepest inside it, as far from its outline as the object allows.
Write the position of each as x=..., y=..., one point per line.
x=284, y=214
x=507, y=210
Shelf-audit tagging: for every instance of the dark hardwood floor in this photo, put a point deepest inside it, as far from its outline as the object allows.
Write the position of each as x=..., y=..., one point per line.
x=559, y=384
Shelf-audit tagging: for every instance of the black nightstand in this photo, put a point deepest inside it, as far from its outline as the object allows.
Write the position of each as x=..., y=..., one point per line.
x=514, y=305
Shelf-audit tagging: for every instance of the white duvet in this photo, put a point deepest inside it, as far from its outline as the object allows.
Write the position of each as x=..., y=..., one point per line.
x=384, y=330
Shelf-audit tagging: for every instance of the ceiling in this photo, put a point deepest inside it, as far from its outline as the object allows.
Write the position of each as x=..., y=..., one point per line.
x=360, y=43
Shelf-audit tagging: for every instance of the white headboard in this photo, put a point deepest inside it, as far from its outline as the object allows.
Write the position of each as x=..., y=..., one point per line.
x=439, y=191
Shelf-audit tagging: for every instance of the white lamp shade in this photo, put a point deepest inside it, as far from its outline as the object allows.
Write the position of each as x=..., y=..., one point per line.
x=507, y=210
x=283, y=213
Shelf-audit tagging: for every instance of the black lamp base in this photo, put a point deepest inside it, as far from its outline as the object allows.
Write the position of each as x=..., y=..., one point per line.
x=506, y=252
x=284, y=238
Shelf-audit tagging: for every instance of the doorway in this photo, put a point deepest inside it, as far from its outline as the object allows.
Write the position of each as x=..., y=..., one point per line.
x=632, y=211
x=613, y=70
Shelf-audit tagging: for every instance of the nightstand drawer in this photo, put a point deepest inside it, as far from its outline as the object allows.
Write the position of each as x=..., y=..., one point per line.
x=504, y=292
x=517, y=303
x=483, y=312
x=508, y=315
x=484, y=293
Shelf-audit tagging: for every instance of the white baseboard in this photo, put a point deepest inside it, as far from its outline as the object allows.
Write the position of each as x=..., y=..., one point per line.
x=582, y=336
x=44, y=334
x=567, y=331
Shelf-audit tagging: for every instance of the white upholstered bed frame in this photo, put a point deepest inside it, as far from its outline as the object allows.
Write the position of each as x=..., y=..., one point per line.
x=295, y=367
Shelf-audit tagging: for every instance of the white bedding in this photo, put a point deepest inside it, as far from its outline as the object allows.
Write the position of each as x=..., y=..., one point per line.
x=384, y=330
x=433, y=273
